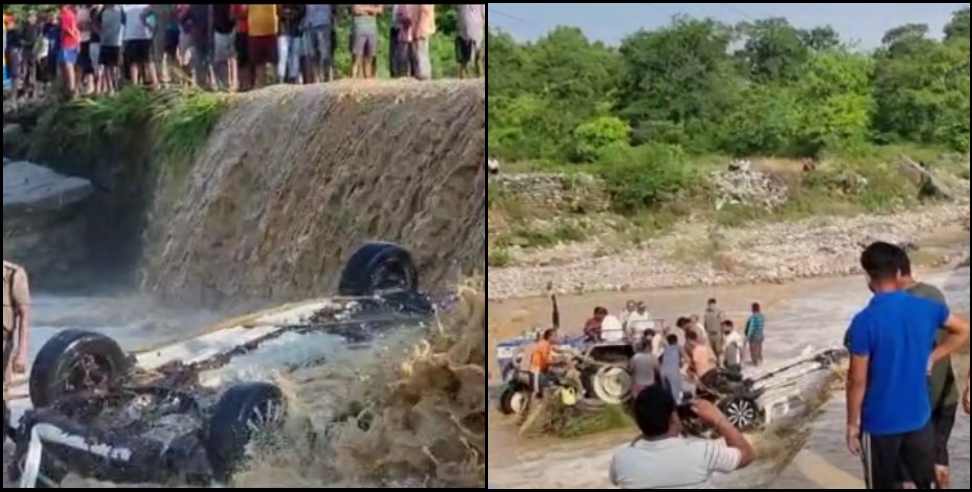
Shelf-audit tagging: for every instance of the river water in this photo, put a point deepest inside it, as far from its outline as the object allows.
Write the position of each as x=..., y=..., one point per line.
x=813, y=313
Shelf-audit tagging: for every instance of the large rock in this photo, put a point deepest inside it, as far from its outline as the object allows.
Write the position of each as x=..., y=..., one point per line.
x=44, y=221
x=929, y=185
x=13, y=138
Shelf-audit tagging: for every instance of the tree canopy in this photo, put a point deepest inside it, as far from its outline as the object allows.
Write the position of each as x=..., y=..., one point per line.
x=761, y=87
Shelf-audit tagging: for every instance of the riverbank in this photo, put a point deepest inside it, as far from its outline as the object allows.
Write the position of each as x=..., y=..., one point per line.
x=699, y=254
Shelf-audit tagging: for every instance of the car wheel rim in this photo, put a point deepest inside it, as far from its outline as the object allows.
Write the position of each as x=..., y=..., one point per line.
x=741, y=413
x=266, y=417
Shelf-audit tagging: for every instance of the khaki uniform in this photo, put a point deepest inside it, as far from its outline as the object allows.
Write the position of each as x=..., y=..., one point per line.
x=16, y=297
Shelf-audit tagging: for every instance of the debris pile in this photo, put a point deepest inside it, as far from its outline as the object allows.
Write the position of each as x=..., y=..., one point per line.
x=741, y=185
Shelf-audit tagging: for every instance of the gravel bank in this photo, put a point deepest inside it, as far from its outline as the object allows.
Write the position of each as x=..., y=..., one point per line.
x=697, y=254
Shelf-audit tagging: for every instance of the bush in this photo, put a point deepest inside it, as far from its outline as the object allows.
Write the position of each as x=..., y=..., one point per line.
x=593, y=136
x=643, y=177
x=499, y=258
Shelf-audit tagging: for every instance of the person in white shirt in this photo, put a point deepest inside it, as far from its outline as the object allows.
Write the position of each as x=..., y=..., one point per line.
x=639, y=321
x=660, y=458
x=699, y=329
x=611, y=329
x=735, y=346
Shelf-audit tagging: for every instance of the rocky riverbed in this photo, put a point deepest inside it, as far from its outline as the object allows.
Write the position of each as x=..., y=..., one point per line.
x=700, y=254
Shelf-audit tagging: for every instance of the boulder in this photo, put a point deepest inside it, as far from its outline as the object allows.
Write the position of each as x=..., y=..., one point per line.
x=13, y=139
x=929, y=185
x=44, y=222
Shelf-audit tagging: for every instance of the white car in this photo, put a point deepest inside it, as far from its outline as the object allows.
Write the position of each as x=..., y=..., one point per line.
x=187, y=413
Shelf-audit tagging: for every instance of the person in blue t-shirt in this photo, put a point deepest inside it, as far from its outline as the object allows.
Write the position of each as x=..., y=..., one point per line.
x=892, y=345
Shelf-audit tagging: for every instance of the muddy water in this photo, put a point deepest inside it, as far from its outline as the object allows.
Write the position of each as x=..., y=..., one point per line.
x=811, y=313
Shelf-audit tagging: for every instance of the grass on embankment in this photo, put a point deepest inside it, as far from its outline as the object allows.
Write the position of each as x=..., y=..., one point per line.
x=165, y=127
x=652, y=188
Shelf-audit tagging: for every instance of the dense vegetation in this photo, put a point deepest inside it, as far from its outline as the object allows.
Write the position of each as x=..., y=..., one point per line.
x=653, y=117
x=764, y=87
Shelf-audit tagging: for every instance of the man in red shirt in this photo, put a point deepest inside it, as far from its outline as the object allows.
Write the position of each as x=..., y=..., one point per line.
x=70, y=46
x=592, y=329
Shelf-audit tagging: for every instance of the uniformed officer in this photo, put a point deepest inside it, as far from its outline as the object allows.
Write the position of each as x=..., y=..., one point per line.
x=16, y=321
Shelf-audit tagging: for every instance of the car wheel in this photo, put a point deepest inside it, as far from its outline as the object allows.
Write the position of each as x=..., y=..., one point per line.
x=75, y=361
x=376, y=268
x=612, y=385
x=743, y=413
x=245, y=413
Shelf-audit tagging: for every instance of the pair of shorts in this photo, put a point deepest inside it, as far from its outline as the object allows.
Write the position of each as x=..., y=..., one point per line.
x=467, y=51
x=138, y=51
x=364, y=42
x=263, y=50
x=222, y=47
x=242, y=43
x=14, y=61
x=84, y=59
x=69, y=57
x=420, y=58
x=171, y=42
x=95, y=52
x=319, y=45
x=887, y=458
x=7, y=351
x=109, y=56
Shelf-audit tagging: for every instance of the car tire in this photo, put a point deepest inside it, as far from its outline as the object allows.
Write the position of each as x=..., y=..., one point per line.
x=51, y=376
x=242, y=410
x=378, y=267
x=743, y=413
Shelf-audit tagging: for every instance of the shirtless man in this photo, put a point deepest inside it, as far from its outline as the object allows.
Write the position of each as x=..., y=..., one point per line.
x=16, y=322
x=702, y=361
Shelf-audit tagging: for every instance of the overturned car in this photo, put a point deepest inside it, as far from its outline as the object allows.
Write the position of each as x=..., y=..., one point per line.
x=598, y=374
x=184, y=414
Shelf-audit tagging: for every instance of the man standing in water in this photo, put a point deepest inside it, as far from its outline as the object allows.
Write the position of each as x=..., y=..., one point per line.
x=16, y=322
x=888, y=411
x=713, y=328
x=754, y=335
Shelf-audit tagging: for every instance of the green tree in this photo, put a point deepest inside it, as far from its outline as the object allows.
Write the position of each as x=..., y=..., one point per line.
x=591, y=137
x=958, y=27
x=774, y=50
x=923, y=96
x=551, y=86
x=820, y=38
x=678, y=81
x=838, y=103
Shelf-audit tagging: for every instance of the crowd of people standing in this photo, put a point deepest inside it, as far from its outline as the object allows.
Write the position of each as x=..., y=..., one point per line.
x=94, y=49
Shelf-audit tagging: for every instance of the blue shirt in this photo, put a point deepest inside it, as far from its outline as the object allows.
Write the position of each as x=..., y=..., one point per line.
x=754, y=327
x=897, y=332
